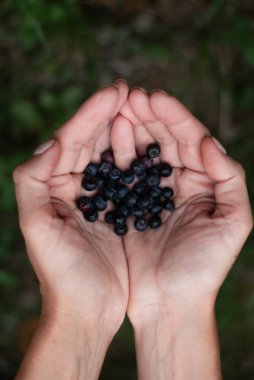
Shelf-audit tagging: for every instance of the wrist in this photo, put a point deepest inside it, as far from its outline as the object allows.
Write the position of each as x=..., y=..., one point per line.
x=72, y=320
x=171, y=344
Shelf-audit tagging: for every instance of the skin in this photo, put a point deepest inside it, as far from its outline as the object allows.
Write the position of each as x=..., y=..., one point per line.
x=166, y=279
x=81, y=266
x=176, y=271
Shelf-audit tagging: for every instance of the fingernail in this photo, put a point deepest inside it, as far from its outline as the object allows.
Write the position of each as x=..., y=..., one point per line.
x=139, y=88
x=121, y=80
x=219, y=146
x=159, y=90
x=43, y=147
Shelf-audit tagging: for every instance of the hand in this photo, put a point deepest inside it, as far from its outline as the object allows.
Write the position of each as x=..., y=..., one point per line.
x=185, y=261
x=81, y=266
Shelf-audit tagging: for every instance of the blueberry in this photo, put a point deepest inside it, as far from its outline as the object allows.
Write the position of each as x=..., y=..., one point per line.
x=123, y=208
x=131, y=199
x=100, y=181
x=140, y=224
x=114, y=174
x=100, y=203
x=155, y=221
x=109, y=192
x=167, y=192
x=84, y=204
x=140, y=188
x=128, y=176
x=169, y=205
x=156, y=208
x=154, y=170
x=143, y=202
x=91, y=216
x=91, y=169
x=165, y=169
x=153, y=150
x=89, y=183
x=108, y=156
x=104, y=168
x=153, y=180
x=142, y=176
x=147, y=162
x=122, y=192
x=119, y=218
x=154, y=192
x=109, y=217
x=137, y=166
x=137, y=211
x=120, y=230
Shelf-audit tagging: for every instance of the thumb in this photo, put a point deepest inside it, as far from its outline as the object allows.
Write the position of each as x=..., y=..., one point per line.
x=32, y=191
x=231, y=195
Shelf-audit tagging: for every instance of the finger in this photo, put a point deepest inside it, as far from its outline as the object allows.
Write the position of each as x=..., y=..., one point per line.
x=186, y=129
x=141, y=134
x=230, y=187
x=140, y=104
x=81, y=130
x=102, y=140
x=122, y=141
x=32, y=190
x=123, y=90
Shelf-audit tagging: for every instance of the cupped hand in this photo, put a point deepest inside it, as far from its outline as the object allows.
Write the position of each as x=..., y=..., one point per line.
x=81, y=266
x=184, y=262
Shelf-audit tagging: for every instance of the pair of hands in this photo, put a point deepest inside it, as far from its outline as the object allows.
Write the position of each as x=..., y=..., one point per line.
x=84, y=268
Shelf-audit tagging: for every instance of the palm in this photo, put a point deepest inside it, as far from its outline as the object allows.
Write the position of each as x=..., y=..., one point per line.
x=88, y=256
x=190, y=254
x=81, y=252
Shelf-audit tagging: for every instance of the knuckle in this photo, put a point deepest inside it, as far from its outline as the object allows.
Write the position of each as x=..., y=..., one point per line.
x=18, y=174
x=241, y=170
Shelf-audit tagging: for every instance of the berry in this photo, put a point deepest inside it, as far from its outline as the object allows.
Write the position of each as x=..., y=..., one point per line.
x=153, y=150
x=131, y=199
x=89, y=183
x=165, y=169
x=154, y=192
x=123, y=208
x=104, y=168
x=169, y=205
x=100, y=181
x=91, y=216
x=143, y=202
x=84, y=204
x=120, y=230
x=140, y=188
x=140, y=224
x=109, y=217
x=167, y=192
x=114, y=174
x=154, y=170
x=122, y=192
x=108, y=156
x=91, y=169
x=147, y=162
x=119, y=218
x=137, y=211
x=156, y=208
x=153, y=180
x=128, y=176
x=109, y=192
x=142, y=176
x=137, y=166
x=100, y=203
x=155, y=221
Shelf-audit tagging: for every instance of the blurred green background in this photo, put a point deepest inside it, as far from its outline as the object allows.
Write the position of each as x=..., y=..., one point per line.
x=54, y=55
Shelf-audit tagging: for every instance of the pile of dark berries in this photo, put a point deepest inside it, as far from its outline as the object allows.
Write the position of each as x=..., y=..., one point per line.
x=144, y=201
